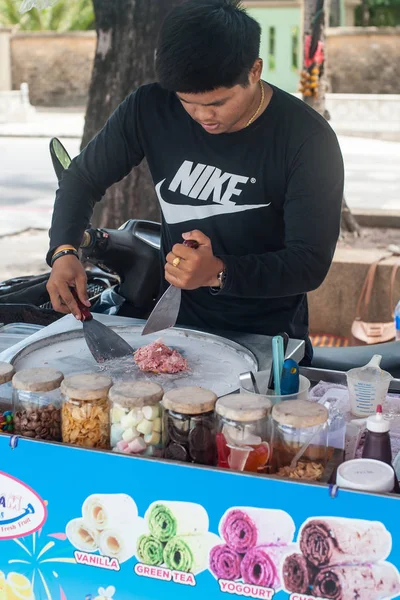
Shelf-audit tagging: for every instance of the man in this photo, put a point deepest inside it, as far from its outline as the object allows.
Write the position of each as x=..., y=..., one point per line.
x=251, y=173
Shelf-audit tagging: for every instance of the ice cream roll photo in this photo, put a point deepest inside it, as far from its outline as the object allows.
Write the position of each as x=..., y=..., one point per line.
x=82, y=536
x=120, y=540
x=100, y=511
x=169, y=519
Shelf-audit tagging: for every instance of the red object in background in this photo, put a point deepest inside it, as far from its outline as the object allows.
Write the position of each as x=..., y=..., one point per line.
x=256, y=461
x=318, y=57
x=258, y=458
x=223, y=451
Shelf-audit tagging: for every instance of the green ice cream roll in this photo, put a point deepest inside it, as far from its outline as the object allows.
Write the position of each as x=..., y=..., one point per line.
x=149, y=550
x=168, y=519
x=190, y=553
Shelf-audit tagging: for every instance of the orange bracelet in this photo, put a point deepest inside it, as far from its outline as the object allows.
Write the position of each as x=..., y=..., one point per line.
x=60, y=248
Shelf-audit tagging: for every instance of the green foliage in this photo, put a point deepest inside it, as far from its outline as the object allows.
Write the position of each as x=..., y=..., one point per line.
x=382, y=13
x=66, y=15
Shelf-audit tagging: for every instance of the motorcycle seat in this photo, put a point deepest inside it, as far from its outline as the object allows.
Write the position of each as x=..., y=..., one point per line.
x=344, y=359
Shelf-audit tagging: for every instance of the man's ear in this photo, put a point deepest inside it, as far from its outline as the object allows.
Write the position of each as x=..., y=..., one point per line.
x=256, y=71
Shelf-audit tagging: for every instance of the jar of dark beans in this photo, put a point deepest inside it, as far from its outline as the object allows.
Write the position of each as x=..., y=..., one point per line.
x=37, y=404
x=189, y=425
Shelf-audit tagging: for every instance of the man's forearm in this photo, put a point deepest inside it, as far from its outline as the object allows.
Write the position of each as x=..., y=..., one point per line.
x=287, y=272
x=72, y=213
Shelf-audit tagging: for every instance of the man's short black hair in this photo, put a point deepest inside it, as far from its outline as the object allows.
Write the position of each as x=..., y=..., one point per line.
x=205, y=45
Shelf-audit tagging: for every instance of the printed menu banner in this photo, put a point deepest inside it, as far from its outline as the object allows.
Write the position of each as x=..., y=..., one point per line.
x=85, y=525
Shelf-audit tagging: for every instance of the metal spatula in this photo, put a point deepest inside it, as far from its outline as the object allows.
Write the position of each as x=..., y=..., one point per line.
x=103, y=342
x=165, y=312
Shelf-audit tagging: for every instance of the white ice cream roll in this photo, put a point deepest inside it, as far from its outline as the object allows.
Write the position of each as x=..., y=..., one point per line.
x=101, y=511
x=119, y=541
x=82, y=536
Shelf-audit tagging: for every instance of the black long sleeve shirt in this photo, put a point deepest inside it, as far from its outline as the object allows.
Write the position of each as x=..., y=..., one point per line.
x=268, y=196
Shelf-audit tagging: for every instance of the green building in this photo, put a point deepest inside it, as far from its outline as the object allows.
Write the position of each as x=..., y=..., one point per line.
x=282, y=36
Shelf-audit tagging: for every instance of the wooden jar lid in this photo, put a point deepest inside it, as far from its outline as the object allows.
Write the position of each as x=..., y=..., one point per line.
x=37, y=380
x=136, y=393
x=6, y=372
x=300, y=413
x=86, y=386
x=243, y=407
x=190, y=400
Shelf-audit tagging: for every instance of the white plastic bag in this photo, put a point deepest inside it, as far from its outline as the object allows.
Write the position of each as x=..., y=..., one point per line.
x=40, y=4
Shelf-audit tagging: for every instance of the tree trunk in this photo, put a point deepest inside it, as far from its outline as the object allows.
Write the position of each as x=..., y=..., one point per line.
x=365, y=13
x=314, y=81
x=127, y=31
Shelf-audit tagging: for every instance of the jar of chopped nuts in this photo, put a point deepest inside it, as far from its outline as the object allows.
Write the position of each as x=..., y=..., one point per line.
x=37, y=404
x=85, y=410
x=136, y=418
x=299, y=439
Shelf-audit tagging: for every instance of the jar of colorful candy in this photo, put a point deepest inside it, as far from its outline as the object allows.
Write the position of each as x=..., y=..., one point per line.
x=37, y=404
x=189, y=425
x=136, y=418
x=86, y=411
x=244, y=432
x=6, y=416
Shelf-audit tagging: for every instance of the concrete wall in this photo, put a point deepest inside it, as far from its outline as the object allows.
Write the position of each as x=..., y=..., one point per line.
x=5, y=60
x=57, y=67
x=333, y=305
x=364, y=60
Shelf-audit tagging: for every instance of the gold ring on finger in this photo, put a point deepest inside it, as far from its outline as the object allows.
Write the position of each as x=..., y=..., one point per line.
x=176, y=261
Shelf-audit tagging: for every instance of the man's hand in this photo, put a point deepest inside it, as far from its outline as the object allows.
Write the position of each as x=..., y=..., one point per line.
x=197, y=268
x=67, y=272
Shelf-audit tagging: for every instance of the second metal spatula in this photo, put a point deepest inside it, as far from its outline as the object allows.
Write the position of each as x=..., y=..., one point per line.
x=103, y=342
x=166, y=311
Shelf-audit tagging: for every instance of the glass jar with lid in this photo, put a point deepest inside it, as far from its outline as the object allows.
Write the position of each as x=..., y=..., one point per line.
x=37, y=403
x=300, y=446
x=85, y=410
x=135, y=415
x=244, y=432
x=6, y=416
x=189, y=425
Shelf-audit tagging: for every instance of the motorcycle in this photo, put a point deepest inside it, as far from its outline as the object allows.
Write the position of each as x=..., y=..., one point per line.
x=126, y=262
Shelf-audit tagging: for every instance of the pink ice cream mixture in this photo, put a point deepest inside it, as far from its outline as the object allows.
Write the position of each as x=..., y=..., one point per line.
x=158, y=358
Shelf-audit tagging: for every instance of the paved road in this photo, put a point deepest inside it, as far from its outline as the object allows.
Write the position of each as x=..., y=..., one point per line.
x=28, y=183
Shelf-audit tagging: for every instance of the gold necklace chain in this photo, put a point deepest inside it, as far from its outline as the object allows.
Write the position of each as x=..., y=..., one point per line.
x=254, y=117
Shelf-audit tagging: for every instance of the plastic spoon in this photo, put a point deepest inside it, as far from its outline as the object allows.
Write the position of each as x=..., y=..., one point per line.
x=278, y=358
x=304, y=447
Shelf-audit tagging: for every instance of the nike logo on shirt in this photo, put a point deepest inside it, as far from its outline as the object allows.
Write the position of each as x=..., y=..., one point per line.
x=208, y=190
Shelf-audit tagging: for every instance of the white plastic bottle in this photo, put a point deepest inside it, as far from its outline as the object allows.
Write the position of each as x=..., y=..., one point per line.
x=397, y=321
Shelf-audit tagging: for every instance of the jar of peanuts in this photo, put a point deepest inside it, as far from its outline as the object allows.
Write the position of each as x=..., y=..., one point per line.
x=136, y=418
x=85, y=410
x=299, y=439
x=37, y=404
